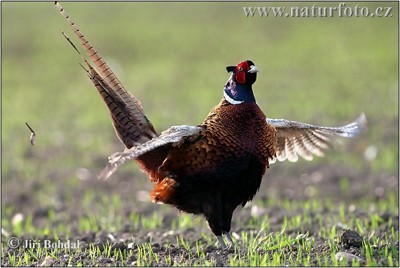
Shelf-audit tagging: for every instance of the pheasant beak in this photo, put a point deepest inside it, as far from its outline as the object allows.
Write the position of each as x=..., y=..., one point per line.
x=253, y=69
x=230, y=68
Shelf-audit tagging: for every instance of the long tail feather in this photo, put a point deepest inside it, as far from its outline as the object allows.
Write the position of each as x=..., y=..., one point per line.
x=130, y=123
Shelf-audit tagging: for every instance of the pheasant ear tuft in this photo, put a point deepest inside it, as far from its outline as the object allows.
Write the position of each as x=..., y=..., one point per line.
x=230, y=68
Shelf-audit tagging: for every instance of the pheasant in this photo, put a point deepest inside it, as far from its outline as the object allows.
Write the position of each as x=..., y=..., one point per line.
x=214, y=167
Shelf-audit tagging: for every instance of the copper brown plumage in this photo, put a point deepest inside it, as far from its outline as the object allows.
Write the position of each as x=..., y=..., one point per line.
x=212, y=168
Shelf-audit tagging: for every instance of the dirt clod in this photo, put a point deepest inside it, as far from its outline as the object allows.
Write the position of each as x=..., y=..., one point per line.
x=351, y=238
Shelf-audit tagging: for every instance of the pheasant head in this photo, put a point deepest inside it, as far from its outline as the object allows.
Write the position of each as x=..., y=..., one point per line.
x=238, y=89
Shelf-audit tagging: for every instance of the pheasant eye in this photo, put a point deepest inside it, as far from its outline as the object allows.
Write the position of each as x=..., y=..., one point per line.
x=240, y=68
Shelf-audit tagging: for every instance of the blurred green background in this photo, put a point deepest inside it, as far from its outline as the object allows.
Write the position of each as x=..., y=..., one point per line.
x=172, y=57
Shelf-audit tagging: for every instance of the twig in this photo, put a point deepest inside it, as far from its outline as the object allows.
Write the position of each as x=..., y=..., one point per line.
x=33, y=135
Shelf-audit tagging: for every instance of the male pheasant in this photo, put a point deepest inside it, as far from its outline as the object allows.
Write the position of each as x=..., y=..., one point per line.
x=214, y=167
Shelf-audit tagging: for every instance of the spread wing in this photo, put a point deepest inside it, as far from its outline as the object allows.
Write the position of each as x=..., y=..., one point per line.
x=305, y=140
x=172, y=135
x=130, y=123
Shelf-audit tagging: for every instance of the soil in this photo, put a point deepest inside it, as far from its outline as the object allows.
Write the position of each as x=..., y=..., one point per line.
x=298, y=182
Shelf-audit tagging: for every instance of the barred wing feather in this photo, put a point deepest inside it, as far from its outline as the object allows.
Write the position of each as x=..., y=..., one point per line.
x=172, y=135
x=306, y=140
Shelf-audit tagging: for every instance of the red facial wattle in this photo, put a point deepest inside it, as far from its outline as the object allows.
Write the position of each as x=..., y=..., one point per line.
x=241, y=70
